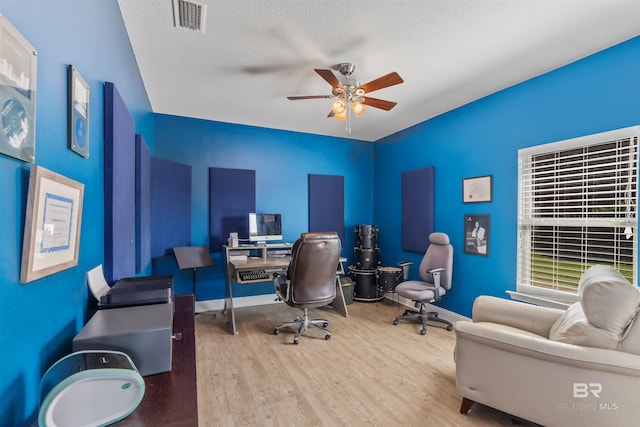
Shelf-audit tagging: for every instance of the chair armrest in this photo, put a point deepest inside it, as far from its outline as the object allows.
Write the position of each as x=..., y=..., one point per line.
x=280, y=280
x=520, y=315
x=511, y=340
x=435, y=273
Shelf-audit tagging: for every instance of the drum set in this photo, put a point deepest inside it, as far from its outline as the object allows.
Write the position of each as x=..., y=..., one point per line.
x=371, y=280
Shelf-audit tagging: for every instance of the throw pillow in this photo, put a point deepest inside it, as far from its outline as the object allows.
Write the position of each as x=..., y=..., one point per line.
x=574, y=328
x=608, y=300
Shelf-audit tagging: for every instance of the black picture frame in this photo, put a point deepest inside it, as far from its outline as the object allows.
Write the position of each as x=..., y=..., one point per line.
x=78, y=112
x=477, y=234
x=477, y=189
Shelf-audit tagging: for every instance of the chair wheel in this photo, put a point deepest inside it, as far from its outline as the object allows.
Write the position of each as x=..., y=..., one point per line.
x=276, y=331
x=327, y=337
x=325, y=324
x=395, y=322
x=423, y=332
x=296, y=341
x=449, y=328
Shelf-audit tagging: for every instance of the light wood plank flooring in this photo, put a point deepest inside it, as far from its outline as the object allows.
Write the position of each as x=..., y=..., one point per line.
x=370, y=373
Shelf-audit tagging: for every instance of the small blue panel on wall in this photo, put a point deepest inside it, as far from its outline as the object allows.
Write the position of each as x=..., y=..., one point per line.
x=232, y=195
x=119, y=187
x=170, y=206
x=143, y=204
x=417, y=209
x=326, y=203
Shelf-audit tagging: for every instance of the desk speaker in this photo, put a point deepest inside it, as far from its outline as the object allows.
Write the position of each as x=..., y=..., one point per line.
x=89, y=388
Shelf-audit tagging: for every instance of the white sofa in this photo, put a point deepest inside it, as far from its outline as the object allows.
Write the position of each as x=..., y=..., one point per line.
x=579, y=367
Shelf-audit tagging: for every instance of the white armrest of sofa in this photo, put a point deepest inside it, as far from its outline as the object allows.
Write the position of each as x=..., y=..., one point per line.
x=531, y=318
x=537, y=347
x=503, y=324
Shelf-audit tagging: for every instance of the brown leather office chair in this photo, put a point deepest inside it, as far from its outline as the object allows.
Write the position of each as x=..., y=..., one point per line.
x=310, y=280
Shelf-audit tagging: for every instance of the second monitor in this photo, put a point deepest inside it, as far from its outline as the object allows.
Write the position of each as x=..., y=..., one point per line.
x=265, y=227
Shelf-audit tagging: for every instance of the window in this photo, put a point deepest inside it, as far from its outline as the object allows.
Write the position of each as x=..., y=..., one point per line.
x=577, y=208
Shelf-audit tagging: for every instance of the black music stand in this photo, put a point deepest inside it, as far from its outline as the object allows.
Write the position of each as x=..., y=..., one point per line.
x=193, y=257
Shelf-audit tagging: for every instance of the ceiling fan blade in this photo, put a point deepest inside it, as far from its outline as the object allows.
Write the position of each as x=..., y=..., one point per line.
x=296, y=98
x=379, y=103
x=328, y=76
x=382, y=82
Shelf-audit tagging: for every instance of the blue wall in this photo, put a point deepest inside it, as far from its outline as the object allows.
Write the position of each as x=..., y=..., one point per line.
x=596, y=94
x=282, y=161
x=39, y=319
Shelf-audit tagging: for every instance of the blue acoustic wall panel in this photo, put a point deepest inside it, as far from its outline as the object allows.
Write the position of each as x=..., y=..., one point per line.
x=232, y=195
x=170, y=206
x=417, y=208
x=119, y=187
x=326, y=203
x=143, y=205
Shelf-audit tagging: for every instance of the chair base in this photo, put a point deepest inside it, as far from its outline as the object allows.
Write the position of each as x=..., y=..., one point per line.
x=423, y=316
x=303, y=324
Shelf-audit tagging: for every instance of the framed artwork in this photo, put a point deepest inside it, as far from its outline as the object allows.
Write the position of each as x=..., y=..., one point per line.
x=79, y=92
x=477, y=234
x=475, y=190
x=18, y=66
x=52, y=224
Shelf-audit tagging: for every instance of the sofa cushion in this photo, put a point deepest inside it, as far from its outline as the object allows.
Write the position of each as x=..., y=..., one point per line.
x=608, y=300
x=631, y=337
x=574, y=328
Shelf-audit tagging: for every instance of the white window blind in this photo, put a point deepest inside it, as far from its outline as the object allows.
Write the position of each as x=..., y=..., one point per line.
x=577, y=207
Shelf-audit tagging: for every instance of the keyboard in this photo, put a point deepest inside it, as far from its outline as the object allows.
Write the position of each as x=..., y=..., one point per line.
x=259, y=274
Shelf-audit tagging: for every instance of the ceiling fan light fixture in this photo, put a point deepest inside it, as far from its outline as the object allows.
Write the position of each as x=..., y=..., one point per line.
x=348, y=95
x=357, y=108
x=342, y=115
x=339, y=107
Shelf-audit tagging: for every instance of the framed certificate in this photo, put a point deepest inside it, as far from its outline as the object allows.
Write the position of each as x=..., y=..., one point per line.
x=52, y=224
x=475, y=190
x=79, y=92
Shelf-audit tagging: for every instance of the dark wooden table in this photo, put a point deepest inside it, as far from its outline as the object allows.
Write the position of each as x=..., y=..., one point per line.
x=171, y=398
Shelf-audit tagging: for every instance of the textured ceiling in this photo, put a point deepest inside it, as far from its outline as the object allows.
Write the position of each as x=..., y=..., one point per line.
x=253, y=54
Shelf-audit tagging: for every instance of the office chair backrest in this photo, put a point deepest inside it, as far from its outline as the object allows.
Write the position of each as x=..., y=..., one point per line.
x=438, y=254
x=312, y=271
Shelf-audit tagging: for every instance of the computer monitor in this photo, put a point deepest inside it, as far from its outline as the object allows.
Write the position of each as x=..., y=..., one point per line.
x=265, y=227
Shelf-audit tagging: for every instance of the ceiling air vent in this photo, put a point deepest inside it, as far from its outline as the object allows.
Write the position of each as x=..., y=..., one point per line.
x=188, y=15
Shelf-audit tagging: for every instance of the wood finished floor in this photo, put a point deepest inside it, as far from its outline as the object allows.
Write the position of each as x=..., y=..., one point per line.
x=370, y=373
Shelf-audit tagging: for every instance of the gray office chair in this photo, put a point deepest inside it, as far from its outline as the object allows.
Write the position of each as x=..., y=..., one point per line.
x=435, y=271
x=310, y=280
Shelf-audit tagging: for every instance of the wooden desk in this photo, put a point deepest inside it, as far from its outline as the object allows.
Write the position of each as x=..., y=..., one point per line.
x=262, y=261
x=270, y=264
x=171, y=398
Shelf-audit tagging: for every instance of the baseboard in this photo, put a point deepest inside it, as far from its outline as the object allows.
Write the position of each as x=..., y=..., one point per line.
x=442, y=312
x=238, y=302
x=250, y=301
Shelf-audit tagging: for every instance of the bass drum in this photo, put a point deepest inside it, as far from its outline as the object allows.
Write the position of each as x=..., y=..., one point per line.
x=366, y=287
x=388, y=278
